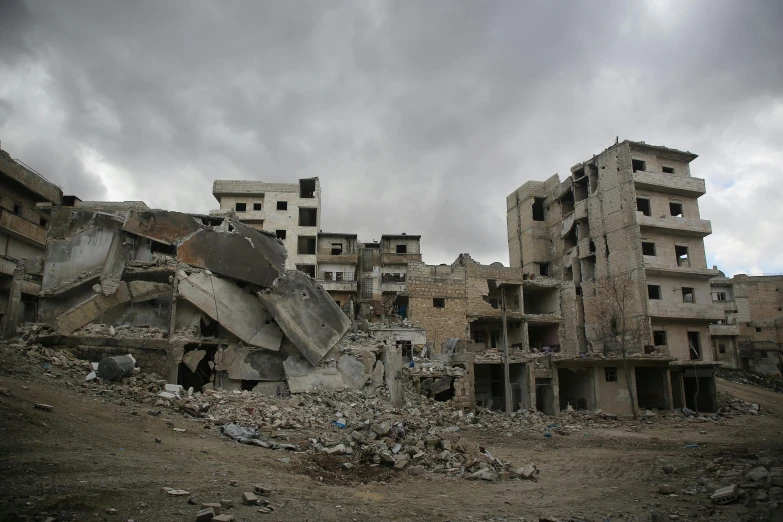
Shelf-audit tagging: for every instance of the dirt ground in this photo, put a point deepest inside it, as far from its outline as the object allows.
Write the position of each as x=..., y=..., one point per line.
x=92, y=453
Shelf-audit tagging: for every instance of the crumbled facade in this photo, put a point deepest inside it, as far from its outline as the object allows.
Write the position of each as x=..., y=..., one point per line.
x=750, y=336
x=22, y=240
x=290, y=211
x=631, y=211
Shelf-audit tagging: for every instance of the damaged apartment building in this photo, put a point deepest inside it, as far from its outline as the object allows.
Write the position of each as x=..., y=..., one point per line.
x=201, y=300
x=22, y=240
x=750, y=335
x=631, y=213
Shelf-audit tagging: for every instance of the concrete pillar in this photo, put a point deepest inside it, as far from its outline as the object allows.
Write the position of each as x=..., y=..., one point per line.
x=392, y=360
x=14, y=302
x=669, y=393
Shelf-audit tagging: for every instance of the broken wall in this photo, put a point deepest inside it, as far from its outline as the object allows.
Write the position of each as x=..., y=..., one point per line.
x=429, y=287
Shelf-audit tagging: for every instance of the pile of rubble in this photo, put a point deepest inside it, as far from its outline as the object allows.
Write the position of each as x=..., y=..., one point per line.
x=747, y=377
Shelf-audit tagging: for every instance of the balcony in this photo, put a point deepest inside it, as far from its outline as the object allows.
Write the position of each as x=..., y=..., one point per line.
x=391, y=258
x=394, y=287
x=676, y=225
x=33, y=181
x=656, y=265
x=724, y=329
x=669, y=184
x=338, y=286
x=22, y=229
x=339, y=259
x=692, y=311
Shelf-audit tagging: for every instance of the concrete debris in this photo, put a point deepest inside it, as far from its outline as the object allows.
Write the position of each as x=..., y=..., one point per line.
x=176, y=492
x=205, y=515
x=303, y=378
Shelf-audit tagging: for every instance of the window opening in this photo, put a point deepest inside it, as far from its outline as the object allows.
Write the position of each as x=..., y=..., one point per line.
x=306, y=245
x=687, y=295
x=282, y=205
x=44, y=223
x=654, y=291
x=439, y=302
x=337, y=249
x=610, y=374
x=328, y=276
x=643, y=206
x=668, y=170
x=241, y=207
x=758, y=329
x=538, y=209
x=675, y=209
x=648, y=249
x=694, y=346
x=720, y=296
x=543, y=269
x=659, y=337
x=256, y=206
x=402, y=249
x=280, y=234
x=307, y=269
x=682, y=255
x=307, y=188
x=308, y=217
x=638, y=165
x=722, y=348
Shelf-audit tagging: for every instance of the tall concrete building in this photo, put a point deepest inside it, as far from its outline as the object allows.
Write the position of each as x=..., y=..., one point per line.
x=631, y=211
x=22, y=239
x=291, y=211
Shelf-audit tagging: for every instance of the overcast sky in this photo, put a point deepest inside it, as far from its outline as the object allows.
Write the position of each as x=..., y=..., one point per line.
x=418, y=116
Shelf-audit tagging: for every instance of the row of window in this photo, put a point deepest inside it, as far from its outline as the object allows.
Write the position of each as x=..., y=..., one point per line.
x=688, y=294
x=643, y=206
x=680, y=252
x=641, y=165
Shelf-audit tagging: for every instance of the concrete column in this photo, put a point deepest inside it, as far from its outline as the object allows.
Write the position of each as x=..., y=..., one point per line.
x=14, y=302
x=393, y=365
x=669, y=393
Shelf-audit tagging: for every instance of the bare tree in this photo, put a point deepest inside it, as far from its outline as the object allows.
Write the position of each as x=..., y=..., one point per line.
x=618, y=323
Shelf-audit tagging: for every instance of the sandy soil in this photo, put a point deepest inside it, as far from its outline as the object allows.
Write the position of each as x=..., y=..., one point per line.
x=94, y=453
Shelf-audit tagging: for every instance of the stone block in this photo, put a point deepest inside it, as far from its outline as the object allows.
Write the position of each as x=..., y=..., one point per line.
x=205, y=515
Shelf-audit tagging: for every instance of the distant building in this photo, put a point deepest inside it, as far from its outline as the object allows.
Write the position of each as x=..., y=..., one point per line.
x=291, y=211
x=750, y=336
x=22, y=240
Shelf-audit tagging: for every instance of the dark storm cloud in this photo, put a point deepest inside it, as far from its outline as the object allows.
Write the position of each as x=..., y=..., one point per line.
x=417, y=116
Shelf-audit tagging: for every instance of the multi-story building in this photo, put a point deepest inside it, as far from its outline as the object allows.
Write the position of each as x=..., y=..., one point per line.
x=371, y=275
x=630, y=212
x=291, y=211
x=750, y=336
x=22, y=239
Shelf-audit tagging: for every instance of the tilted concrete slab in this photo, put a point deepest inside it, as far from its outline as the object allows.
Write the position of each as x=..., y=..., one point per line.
x=354, y=371
x=235, y=251
x=303, y=378
x=114, y=265
x=91, y=309
x=306, y=313
x=256, y=365
x=161, y=225
x=237, y=311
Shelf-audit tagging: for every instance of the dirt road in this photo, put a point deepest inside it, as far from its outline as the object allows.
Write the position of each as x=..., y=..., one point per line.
x=92, y=453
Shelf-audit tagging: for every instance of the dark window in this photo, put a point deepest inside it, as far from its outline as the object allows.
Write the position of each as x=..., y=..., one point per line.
x=758, y=329
x=280, y=234
x=240, y=207
x=306, y=245
x=638, y=165
x=338, y=276
x=439, y=302
x=643, y=206
x=337, y=249
x=478, y=336
x=282, y=205
x=654, y=291
x=307, y=269
x=43, y=222
x=18, y=210
x=610, y=374
x=668, y=170
x=543, y=269
x=256, y=206
x=307, y=188
x=402, y=249
x=659, y=337
x=648, y=249
x=764, y=354
x=688, y=295
x=675, y=209
x=682, y=255
x=694, y=348
x=538, y=209
x=720, y=296
x=328, y=276
x=308, y=217
x=722, y=348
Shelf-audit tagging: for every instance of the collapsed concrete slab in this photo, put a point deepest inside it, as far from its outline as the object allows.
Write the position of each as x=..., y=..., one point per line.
x=235, y=251
x=353, y=370
x=303, y=378
x=240, y=313
x=90, y=310
x=114, y=265
x=161, y=225
x=256, y=365
x=306, y=313
x=146, y=291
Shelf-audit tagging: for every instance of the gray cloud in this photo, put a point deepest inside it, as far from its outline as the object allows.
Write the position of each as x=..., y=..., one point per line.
x=417, y=116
